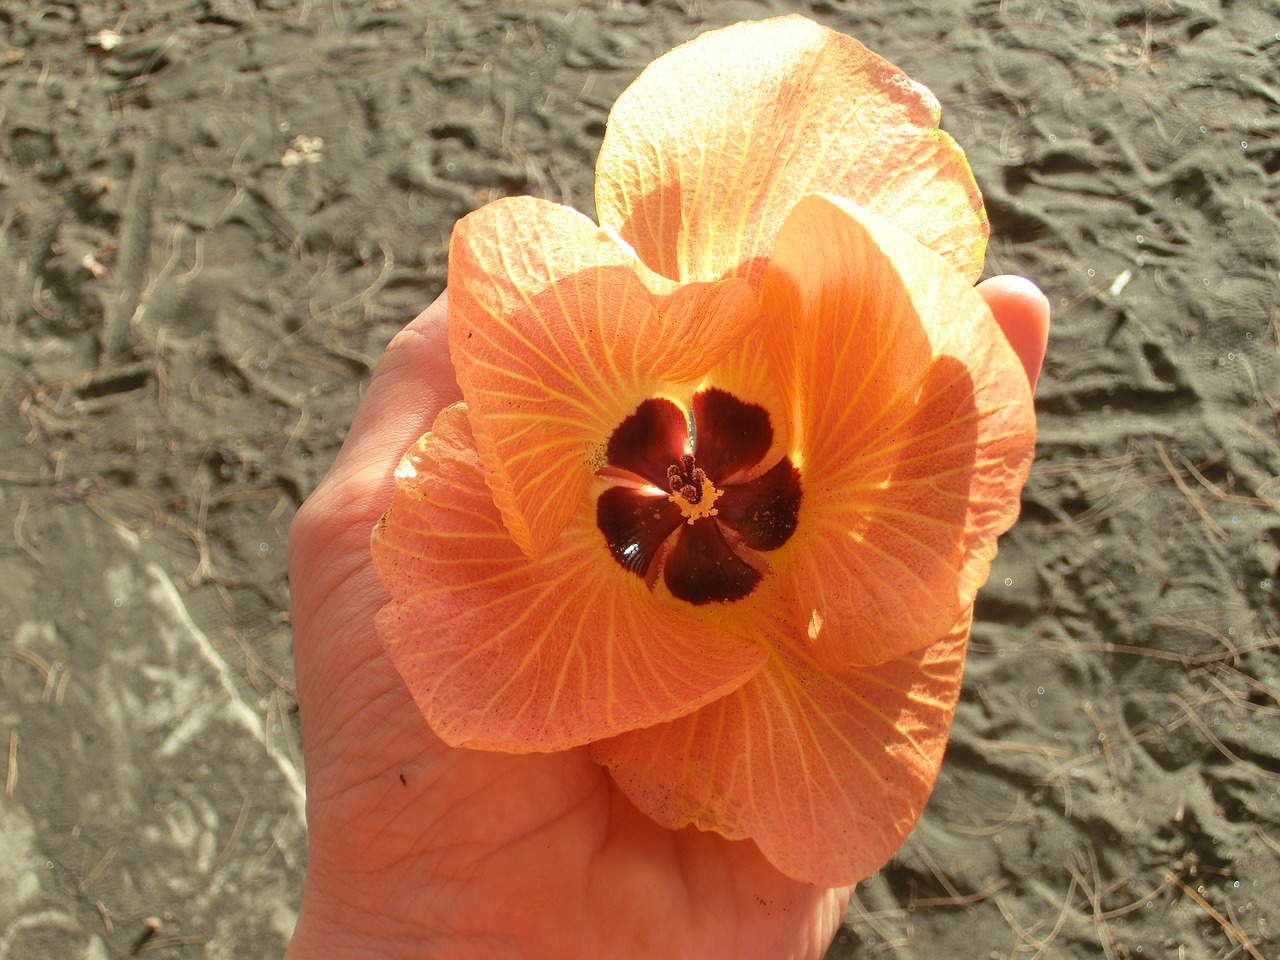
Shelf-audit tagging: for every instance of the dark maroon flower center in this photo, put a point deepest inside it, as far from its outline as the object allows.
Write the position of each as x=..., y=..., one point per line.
x=682, y=506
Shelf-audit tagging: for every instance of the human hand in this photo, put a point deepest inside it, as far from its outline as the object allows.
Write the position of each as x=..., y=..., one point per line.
x=417, y=849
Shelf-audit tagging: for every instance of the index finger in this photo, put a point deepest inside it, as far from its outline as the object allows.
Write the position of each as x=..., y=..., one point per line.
x=1022, y=311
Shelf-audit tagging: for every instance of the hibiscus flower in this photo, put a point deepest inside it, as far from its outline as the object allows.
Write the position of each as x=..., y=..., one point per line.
x=731, y=466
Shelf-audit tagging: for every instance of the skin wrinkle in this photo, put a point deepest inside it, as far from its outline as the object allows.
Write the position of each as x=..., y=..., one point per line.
x=339, y=573
x=828, y=910
x=352, y=687
x=437, y=900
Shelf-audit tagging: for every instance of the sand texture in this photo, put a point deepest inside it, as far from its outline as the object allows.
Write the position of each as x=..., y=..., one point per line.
x=213, y=216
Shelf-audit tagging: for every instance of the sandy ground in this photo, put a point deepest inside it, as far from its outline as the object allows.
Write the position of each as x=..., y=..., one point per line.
x=214, y=215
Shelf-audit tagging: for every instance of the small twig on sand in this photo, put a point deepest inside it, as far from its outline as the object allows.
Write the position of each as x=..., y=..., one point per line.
x=1229, y=928
x=873, y=921
x=1221, y=495
x=1214, y=527
x=11, y=774
x=1024, y=935
x=93, y=874
x=1043, y=945
x=135, y=250
x=21, y=540
x=34, y=659
x=1094, y=895
x=959, y=900
x=1221, y=747
x=1141, y=902
x=236, y=830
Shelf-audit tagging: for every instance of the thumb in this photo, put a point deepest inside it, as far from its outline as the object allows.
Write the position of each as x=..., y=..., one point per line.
x=1023, y=314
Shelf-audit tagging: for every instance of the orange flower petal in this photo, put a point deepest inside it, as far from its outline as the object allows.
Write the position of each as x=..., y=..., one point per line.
x=707, y=152
x=827, y=774
x=558, y=333
x=501, y=652
x=913, y=430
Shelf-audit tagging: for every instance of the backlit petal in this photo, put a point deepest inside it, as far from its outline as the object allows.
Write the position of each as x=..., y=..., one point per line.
x=558, y=333
x=827, y=774
x=708, y=150
x=503, y=652
x=913, y=431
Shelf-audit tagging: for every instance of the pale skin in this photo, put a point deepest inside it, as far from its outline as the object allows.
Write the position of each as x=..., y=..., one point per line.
x=420, y=850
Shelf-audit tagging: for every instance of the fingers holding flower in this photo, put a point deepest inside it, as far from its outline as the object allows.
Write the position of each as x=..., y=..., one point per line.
x=730, y=470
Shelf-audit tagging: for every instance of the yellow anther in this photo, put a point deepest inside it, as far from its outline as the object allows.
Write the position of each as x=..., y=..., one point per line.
x=705, y=507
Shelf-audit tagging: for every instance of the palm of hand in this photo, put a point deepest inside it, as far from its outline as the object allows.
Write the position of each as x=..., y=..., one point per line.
x=446, y=853
x=417, y=849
